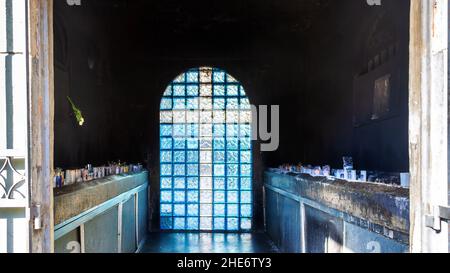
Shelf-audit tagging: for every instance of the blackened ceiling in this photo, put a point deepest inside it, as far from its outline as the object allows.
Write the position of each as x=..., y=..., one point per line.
x=203, y=15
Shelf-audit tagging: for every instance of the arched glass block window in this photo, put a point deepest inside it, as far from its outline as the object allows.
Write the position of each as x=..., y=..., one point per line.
x=205, y=153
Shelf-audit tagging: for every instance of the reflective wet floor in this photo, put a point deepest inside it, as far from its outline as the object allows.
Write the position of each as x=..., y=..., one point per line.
x=208, y=243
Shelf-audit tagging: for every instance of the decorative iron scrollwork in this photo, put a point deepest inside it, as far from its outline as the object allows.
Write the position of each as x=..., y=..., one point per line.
x=10, y=190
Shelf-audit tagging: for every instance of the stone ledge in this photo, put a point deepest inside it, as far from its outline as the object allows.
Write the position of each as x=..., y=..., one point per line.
x=384, y=205
x=75, y=199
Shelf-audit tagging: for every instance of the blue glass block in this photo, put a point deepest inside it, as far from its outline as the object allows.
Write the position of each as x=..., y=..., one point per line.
x=166, y=104
x=192, y=223
x=166, y=196
x=246, y=210
x=219, y=223
x=179, y=196
x=206, y=183
x=205, y=170
x=246, y=224
x=192, y=103
x=232, y=90
x=193, y=182
x=232, y=103
x=179, y=223
x=219, y=183
x=179, y=90
x=233, y=170
x=206, y=144
x=219, y=90
x=246, y=143
x=246, y=130
x=168, y=92
x=179, y=103
x=192, y=170
x=179, y=157
x=246, y=183
x=166, y=130
x=205, y=223
x=232, y=197
x=192, y=130
x=219, y=104
x=219, y=157
x=246, y=197
x=232, y=183
x=206, y=130
x=166, y=157
x=232, y=131
x=232, y=224
x=245, y=104
x=233, y=157
x=166, y=182
x=233, y=210
x=246, y=157
x=193, y=90
x=192, y=196
x=180, y=79
x=192, y=143
x=192, y=210
x=232, y=143
x=166, y=209
x=242, y=91
x=219, y=210
x=166, y=169
x=179, y=183
x=179, y=210
x=219, y=76
x=219, y=144
x=231, y=79
x=179, y=169
x=166, y=143
x=246, y=170
x=219, y=130
x=192, y=156
x=206, y=210
x=192, y=76
x=206, y=197
x=179, y=144
x=219, y=197
x=166, y=223
x=219, y=169
x=179, y=130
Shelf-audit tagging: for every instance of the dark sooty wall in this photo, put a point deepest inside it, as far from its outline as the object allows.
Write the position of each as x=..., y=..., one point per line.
x=337, y=101
x=304, y=55
x=84, y=71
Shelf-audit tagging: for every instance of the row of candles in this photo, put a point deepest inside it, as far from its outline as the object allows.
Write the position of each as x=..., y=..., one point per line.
x=89, y=173
x=347, y=173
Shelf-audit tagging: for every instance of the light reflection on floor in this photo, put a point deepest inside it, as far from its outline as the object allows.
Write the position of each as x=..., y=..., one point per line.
x=208, y=243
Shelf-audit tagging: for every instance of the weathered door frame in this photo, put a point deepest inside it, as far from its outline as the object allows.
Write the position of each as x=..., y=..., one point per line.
x=26, y=126
x=41, y=113
x=427, y=133
x=428, y=116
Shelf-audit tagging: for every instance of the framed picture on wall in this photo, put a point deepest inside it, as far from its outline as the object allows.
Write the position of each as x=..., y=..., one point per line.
x=375, y=95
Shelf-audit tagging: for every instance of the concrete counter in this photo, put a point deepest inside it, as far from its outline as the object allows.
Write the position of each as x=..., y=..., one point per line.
x=106, y=215
x=306, y=207
x=75, y=199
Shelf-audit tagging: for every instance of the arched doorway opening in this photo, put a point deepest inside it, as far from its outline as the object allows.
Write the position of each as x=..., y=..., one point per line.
x=205, y=153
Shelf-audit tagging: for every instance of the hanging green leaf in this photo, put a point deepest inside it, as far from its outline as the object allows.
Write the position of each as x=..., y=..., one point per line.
x=77, y=112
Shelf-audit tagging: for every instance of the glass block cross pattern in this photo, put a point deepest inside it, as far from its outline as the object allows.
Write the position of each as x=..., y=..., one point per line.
x=205, y=153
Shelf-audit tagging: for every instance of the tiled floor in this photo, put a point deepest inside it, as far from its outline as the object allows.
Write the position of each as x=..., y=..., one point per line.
x=208, y=243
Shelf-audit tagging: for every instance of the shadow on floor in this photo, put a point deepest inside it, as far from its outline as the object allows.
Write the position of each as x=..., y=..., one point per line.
x=208, y=243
